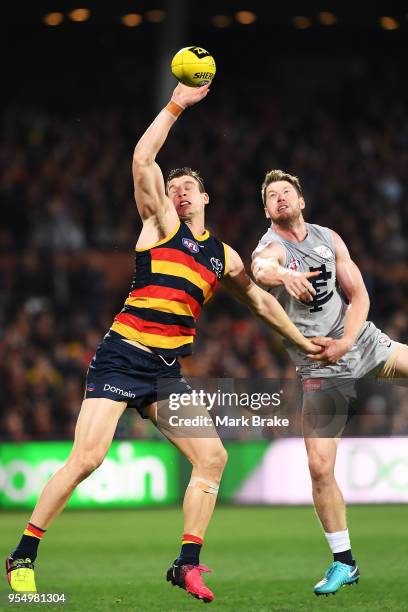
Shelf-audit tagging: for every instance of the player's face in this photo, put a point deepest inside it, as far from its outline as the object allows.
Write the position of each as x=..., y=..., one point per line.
x=186, y=196
x=283, y=203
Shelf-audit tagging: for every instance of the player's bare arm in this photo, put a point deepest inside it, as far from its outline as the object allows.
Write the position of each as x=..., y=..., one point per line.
x=155, y=208
x=264, y=305
x=269, y=271
x=352, y=283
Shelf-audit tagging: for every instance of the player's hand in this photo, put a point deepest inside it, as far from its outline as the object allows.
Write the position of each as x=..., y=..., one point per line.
x=188, y=96
x=311, y=347
x=298, y=285
x=331, y=350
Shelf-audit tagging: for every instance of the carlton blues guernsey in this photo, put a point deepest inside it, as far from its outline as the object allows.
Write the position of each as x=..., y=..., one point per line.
x=325, y=314
x=172, y=281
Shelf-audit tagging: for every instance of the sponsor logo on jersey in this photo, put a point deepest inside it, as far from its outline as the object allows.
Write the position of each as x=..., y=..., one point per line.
x=190, y=245
x=323, y=251
x=91, y=387
x=294, y=264
x=217, y=266
x=384, y=340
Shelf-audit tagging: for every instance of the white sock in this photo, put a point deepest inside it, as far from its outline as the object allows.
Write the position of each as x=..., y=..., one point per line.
x=338, y=541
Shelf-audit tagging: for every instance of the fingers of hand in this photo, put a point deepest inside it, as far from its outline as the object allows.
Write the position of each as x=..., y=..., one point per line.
x=307, y=291
x=322, y=341
x=315, y=350
x=310, y=287
x=305, y=297
x=316, y=356
x=300, y=289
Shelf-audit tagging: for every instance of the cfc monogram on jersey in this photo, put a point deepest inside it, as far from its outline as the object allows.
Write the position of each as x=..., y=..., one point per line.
x=320, y=284
x=324, y=315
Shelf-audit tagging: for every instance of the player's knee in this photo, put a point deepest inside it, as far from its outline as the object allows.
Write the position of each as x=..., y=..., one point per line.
x=320, y=466
x=83, y=464
x=213, y=464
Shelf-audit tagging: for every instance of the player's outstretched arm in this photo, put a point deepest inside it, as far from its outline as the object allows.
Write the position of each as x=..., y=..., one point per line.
x=148, y=179
x=352, y=283
x=269, y=271
x=262, y=303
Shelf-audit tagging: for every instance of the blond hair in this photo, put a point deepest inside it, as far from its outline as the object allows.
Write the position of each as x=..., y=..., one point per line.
x=280, y=175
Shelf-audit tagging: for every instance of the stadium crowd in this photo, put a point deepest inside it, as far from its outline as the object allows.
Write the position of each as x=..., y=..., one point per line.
x=68, y=226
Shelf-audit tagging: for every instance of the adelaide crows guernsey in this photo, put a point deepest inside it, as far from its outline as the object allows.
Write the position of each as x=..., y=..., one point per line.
x=172, y=280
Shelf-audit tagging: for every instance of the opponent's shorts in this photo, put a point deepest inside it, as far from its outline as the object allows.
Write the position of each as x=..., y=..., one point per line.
x=366, y=359
x=125, y=373
x=329, y=390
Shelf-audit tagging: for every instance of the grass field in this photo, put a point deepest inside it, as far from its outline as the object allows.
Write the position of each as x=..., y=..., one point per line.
x=264, y=559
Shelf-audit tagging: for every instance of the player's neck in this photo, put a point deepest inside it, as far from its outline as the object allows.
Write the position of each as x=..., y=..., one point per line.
x=295, y=231
x=196, y=226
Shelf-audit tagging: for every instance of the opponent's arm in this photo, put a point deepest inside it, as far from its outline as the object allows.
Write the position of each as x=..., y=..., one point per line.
x=237, y=282
x=269, y=271
x=148, y=179
x=351, y=281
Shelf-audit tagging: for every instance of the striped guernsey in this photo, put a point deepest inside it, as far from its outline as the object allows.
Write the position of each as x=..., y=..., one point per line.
x=172, y=280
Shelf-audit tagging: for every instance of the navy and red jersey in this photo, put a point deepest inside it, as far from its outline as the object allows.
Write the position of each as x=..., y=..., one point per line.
x=172, y=280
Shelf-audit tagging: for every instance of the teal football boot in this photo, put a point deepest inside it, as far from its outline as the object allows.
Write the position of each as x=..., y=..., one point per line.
x=338, y=575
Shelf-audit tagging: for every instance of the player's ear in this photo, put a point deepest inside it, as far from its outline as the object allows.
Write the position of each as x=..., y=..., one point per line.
x=267, y=215
x=302, y=203
x=206, y=198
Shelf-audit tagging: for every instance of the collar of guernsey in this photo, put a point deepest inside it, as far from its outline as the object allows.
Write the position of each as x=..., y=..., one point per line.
x=172, y=280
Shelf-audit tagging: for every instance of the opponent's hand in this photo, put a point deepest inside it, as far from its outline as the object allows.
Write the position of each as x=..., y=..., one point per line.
x=298, y=286
x=311, y=347
x=331, y=350
x=188, y=96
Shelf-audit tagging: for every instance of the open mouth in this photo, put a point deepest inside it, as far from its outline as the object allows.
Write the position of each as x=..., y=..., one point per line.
x=184, y=203
x=282, y=207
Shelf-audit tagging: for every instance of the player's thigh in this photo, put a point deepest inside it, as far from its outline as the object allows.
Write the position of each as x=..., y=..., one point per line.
x=325, y=413
x=200, y=444
x=399, y=362
x=96, y=425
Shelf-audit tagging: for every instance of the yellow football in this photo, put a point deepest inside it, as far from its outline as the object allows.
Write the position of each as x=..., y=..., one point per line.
x=193, y=66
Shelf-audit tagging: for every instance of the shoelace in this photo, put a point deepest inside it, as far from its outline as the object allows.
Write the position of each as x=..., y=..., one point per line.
x=16, y=562
x=332, y=569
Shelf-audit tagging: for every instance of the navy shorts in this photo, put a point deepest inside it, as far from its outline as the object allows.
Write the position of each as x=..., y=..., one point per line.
x=125, y=373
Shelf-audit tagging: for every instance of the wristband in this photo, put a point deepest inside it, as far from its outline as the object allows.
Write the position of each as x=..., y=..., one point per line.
x=174, y=109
